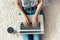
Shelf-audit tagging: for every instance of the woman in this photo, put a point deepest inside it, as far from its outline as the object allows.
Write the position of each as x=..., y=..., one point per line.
x=30, y=7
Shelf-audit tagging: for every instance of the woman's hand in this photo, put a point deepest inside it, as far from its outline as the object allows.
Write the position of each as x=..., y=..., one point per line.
x=26, y=21
x=35, y=21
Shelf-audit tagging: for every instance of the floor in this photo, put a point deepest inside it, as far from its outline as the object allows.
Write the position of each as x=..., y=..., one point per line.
x=9, y=18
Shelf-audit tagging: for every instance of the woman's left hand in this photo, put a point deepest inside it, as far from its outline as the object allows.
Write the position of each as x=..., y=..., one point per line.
x=35, y=21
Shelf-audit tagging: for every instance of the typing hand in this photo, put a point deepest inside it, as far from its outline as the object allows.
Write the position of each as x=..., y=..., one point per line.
x=26, y=21
x=35, y=21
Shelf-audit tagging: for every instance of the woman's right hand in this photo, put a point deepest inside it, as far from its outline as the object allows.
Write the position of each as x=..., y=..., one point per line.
x=26, y=21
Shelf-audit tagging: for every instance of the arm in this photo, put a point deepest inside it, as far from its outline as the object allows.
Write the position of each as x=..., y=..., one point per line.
x=20, y=8
x=26, y=21
x=39, y=7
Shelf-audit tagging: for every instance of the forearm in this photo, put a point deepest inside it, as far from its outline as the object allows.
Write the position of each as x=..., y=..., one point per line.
x=39, y=8
x=20, y=8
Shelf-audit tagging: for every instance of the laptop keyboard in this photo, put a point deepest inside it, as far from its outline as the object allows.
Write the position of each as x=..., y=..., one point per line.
x=30, y=27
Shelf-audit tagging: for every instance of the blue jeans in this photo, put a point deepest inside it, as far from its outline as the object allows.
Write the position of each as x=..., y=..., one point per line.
x=31, y=12
x=32, y=36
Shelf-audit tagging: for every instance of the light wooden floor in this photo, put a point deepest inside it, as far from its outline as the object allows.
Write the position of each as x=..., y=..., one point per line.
x=52, y=21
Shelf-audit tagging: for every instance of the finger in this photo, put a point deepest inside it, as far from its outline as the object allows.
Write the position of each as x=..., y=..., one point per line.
x=34, y=24
x=25, y=23
x=28, y=22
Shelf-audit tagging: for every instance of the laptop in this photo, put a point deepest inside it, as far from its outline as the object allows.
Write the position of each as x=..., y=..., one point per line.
x=39, y=29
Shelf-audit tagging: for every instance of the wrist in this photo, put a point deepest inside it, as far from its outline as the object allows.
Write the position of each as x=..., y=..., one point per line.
x=36, y=15
x=24, y=15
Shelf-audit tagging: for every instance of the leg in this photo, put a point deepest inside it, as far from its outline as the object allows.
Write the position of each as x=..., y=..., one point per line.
x=25, y=36
x=30, y=36
x=37, y=36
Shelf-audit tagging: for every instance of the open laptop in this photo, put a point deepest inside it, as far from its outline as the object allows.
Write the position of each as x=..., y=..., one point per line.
x=32, y=30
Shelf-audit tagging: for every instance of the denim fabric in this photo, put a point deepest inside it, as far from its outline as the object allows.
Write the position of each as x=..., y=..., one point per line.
x=32, y=36
x=31, y=12
x=25, y=37
x=37, y=36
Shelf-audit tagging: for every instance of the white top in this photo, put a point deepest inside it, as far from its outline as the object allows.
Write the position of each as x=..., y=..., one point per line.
x=32, y=3
x=29, y=3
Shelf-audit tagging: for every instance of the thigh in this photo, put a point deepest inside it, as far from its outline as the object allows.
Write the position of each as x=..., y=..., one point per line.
x=25, y=36
x=30, y=36
x=32, y=12
x=37, y=36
